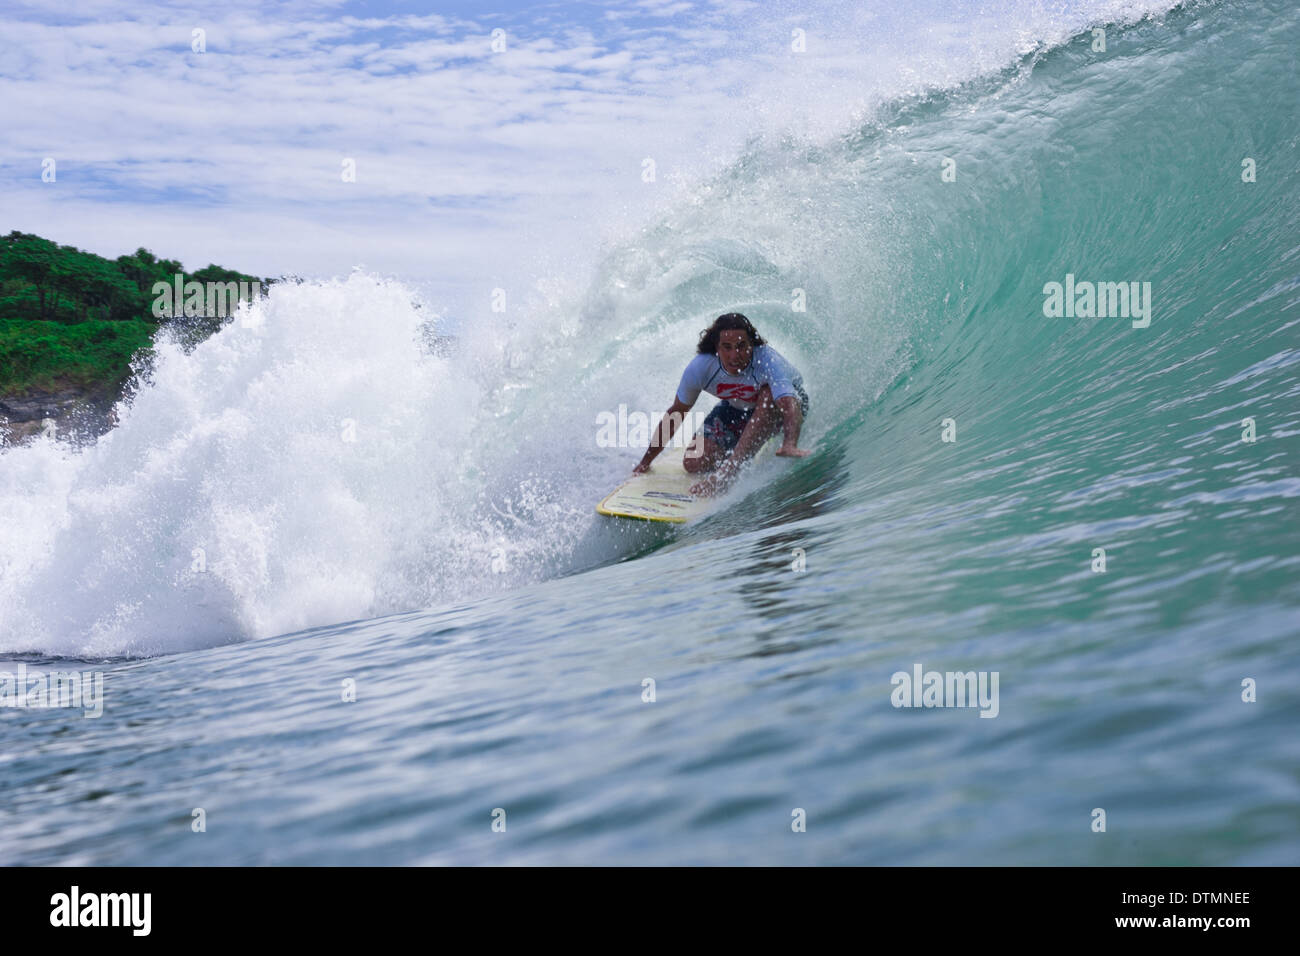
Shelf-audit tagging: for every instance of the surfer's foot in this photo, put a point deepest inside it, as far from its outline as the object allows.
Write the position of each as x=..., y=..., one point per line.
x=790, y=451
x=716, y=483
x=706, y=488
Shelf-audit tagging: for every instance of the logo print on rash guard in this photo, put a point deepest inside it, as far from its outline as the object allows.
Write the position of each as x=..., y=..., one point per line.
x=740, y=391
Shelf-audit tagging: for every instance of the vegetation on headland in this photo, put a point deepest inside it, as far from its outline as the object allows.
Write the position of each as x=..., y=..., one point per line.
x=72, y=319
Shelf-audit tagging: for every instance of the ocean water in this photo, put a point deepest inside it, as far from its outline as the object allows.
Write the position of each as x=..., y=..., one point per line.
x=308, y=509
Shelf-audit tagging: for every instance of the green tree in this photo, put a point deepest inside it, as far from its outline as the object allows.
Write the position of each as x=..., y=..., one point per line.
x=36, y=261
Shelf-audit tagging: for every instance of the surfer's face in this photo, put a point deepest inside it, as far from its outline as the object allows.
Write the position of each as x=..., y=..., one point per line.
x=734, y=350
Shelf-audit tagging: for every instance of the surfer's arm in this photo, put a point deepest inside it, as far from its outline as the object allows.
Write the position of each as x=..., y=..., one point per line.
x=780, y=377
x=664, y=433
x=792, y=422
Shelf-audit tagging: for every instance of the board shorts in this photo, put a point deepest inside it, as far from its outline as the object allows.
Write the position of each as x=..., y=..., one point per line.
x=725, y=424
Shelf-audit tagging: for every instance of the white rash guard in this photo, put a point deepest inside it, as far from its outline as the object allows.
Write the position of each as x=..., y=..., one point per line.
x=767, y=367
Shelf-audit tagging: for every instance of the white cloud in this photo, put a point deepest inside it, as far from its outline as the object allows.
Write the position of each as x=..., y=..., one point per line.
x=460, y=152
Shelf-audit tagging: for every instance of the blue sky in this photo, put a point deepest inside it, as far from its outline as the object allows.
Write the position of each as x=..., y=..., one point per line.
x=469, y=161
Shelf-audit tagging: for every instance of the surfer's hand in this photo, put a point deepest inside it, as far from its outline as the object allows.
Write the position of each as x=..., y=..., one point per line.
x=790, y=451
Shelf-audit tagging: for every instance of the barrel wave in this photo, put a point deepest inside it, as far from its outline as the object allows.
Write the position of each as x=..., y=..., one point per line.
x=1099, y=505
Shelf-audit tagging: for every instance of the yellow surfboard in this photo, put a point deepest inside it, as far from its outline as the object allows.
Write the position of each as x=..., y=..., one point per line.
x=661, y=494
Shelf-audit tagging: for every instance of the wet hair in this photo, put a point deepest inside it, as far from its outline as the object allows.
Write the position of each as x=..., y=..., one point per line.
x=732, y=320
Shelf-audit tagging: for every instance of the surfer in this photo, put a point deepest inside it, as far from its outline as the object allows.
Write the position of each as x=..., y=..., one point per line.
x=760, y=393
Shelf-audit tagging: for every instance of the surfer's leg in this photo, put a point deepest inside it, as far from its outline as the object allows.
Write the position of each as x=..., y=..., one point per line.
x=716, y=437
x=760, y=425
x=703, y=454
x=763, y=423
